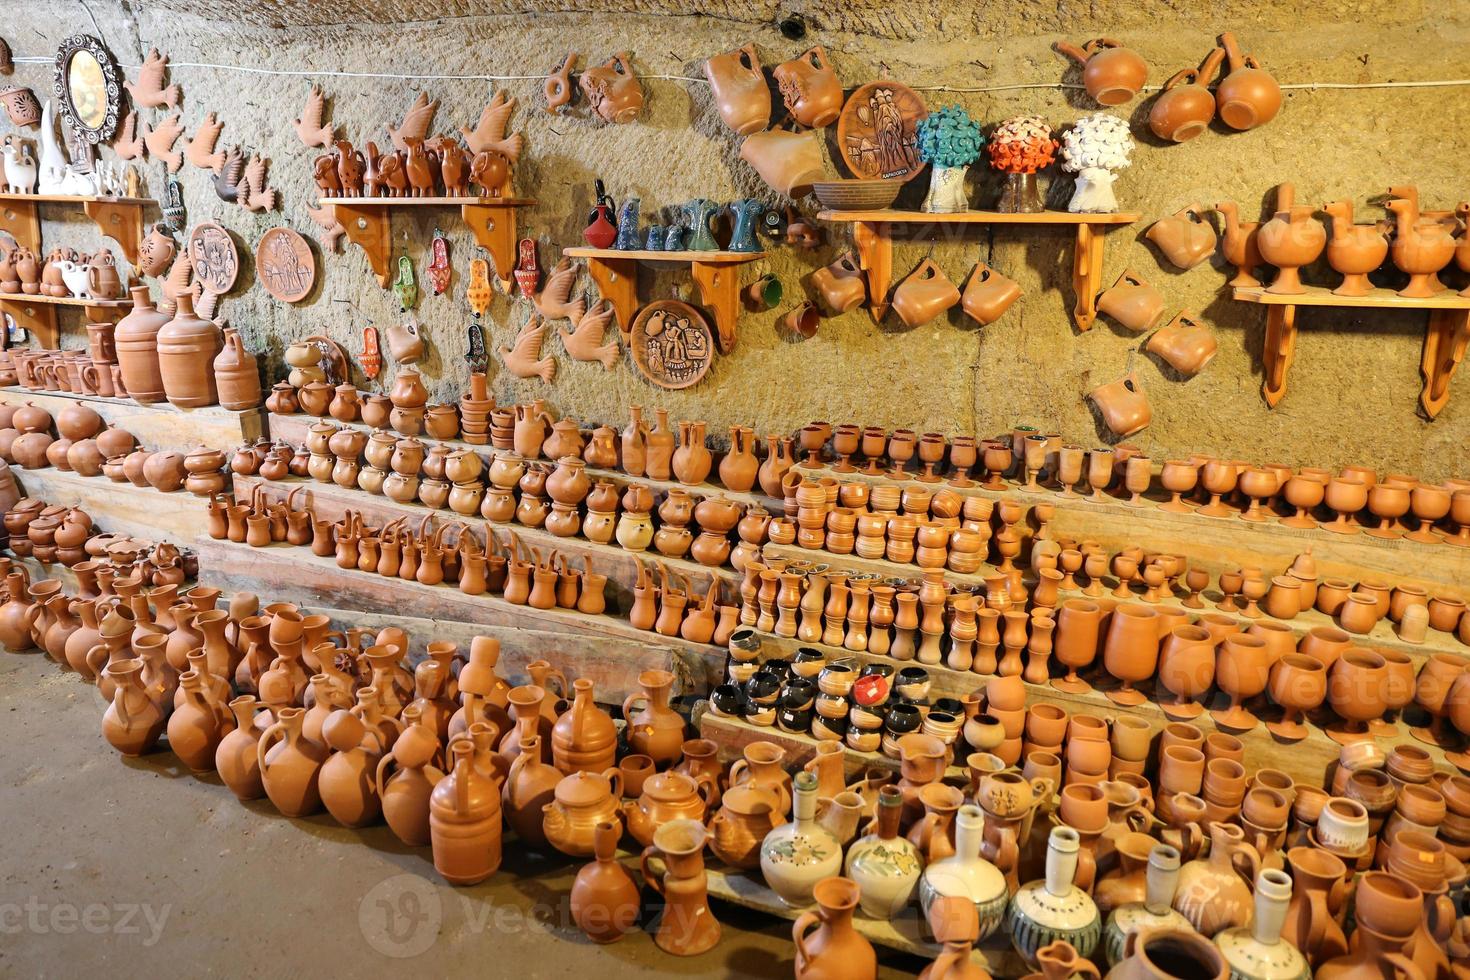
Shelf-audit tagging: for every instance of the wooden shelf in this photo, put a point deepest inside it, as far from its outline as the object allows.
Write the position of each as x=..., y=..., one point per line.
x=101, y=304
x=157, y=426
x=606, y=649
x=616, y=274
x=37, y=314
x=1445, y=339
x=139, y=512
x=367, y=223
x=872, y=232
x=119, y=218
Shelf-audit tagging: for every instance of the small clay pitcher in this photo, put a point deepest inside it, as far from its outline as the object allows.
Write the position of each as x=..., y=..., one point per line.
x=1185, y=343
x=740, y=89
x=1111, y=73
x=1247, y=97
x=1185, y=107
x=1124, y=405
x=1185, y=237
x=840, y=286
x=924, y=295
x=988, y=294
x=1132, y=302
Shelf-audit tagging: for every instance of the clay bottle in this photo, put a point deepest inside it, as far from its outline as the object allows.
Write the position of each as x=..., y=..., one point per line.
x=635, y=442
x=660, y=447
x=584, y=738
x=236, y=375
x=347, y=786
x=136, y=339
x=529, y=787
x=464, y=820
x=738, y=468
x=740, y=90
x=187, y=346
x=289, y=769
x=235, y=758
x=605, y=900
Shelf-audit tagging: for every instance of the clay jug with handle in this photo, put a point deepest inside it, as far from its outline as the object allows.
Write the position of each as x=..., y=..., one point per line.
x=1185, y=343
x=1247, y=97
x=827, y=945
x=1111, y=73
x=1132, y=302
x=1185, y=237
x=235, y=374
x=924, y=295
x=988, y=294
x=740, y=89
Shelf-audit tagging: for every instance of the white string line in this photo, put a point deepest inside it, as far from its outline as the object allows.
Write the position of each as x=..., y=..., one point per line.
x=313, y=73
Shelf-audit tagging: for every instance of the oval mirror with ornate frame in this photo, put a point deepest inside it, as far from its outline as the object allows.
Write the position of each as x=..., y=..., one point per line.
x=88, y=90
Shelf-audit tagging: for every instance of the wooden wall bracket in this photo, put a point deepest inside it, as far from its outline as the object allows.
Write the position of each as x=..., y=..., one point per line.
x=119, y=218
x=122, y=221
x=1444, y=349
x=367, y=226
x=38, y=313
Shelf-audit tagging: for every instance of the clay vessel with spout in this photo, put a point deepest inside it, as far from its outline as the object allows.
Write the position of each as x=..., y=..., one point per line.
x=1420, y=248
x=1290, y=240
x=1240, y=246
x=1247, y=97
x=1111, y=73
x=1354, y=250
x=988, y=294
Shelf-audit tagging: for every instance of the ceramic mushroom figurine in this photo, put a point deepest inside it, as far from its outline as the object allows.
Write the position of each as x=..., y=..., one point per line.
x=949, y=140
x=1095, y=148
x=1018, y=148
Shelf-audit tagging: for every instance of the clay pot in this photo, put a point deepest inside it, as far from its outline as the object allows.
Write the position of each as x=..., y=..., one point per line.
x=840, y=286
x=988, y=294
x=1111, y=73
x=747, y=813
x=78, y=421
x=29, y=450
x=925, y=294
x=1185, y=237
x=1185, y=343
x=1248, y=96
x=289, y=769
x=187, y=346
x=740, y=90
x=1185, y=107
x=165, y=471
x=1132, y=302
x=1124, y=405
x=1165, y=954
x=788, y=162
x=605, y=901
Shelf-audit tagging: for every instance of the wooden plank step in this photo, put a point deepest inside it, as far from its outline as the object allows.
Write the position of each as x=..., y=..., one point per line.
x=135, y=511
x=158, y=426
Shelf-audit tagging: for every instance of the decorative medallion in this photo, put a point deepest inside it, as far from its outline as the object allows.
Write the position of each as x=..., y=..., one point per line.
x=284, y=264
x=876, y=131
x=216, y=261
x=672, y=344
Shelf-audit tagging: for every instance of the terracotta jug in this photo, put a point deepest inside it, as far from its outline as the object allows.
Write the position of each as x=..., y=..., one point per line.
x=1248, y=96
x=404, y=341
x=789, y=162
x=635, y=442
x=746, y=815
x=738, y=468
x=1185, y=237
x=136, y=340
x=605, y=901
x=1214, y=892
x=187, y=347
x=196, y=727
x=1291, y=239
x=464, y=820
x=841, y=285
x=613, y=90
x=1124, y=405
x=1185, y=107
x=660, y=450
x=656, y=730
x=1132, y=302
x=1354, y=250
x=349, y=791
x=584, y=738
x=235, y=374
x=133, y=720
x=405, y=792
x=687, y=927
x=1320, y=881
x=988, y=294
x=827, y=945
x=1111, y=73
x=290, y=769
x=739, y=88
x=810, y=88
x=925, y=294
x=529, y=787
x=1185, y=343
x=235, y=758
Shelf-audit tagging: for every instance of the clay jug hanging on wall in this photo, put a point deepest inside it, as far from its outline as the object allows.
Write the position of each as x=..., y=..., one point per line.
x=840, y=286
x=924, y=295
x=740, y=89
x=1185, y=107
x=1132, y=302
x=1124, y=405
x=187, y=346
x=1111, y=73
x=788, y=162
x=1185, y=237
x=988, y=294
x=810, y=88
x=1247, y=97
x=613, y=90
x=1186, y=343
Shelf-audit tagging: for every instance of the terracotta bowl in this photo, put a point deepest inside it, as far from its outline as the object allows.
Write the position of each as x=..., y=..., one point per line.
x=857, y=195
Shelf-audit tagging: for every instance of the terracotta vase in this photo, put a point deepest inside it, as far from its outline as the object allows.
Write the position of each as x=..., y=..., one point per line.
x=827, y=945
x=988, y=294
x=236, y=375
x=605, y=901
x=464, y=820
x=290, y=768
x=187, y=346
x=349, y=790
x=746, y=815
x=136, y=340
x=235, y=758
x=884, y=865
x=739, y=88
x=405, y=792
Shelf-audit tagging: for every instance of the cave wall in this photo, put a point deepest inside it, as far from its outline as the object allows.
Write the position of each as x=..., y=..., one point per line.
x=1352, y=391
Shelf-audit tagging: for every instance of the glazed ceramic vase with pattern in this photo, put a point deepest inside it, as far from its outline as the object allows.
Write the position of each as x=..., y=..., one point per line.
x=1214, y=892
x=885, y=865
x=797, y=855
x=1161, y=879
x=967, y=875
x=1054, y=908
x=1257, y=951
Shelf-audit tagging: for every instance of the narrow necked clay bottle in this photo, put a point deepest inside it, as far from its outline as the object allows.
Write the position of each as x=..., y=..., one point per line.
x=660, y=447
x=136, y=339
x=187, y=346
x=605, y=900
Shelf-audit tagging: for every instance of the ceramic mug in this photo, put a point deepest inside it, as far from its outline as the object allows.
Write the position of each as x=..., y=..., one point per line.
x=1343, y=826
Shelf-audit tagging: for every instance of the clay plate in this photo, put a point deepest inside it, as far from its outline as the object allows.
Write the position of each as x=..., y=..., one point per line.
x=876, y=131
x=215, y=259
x=284, y=265
x=671, y=343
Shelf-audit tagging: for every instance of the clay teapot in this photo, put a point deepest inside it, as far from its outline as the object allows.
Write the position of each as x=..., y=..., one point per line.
x=1186, y=343
x=1185, y=107
x=1354, y=250
x=810, y=88
x=1111, y=73
x=1248, y=96
x=613, y=90
x=1132, y=302
x=581, y=801
x=740, y=89
x=924, y=295
x=1124, y=405
x=746, y=815
x=1290, y=240
x=1185, y=237
x=988, y=294
x=667, y=796
x=789, y=162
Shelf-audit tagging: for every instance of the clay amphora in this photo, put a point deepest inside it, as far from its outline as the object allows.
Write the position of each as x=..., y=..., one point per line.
x=133, y=720
x=605, y=901
x=1111, y=73
x=289, y=770
x=235, y=757
x=1239, y=246
x=789, y=162
x=988, y=294
x=1248, y=96
x=187, y=347
x=1124, y=405
x=1185, y=107
x=1214, y=892
x=827, y=945
x=464, y=820
x=635, y=443
x=841, y=285
x=656, y=730
x=1186, y=343
x=1167, y=954
x=810, y=88
x=1132, y=302
x=924, y=295
x=405, y=793
x=235, y=374
x=136, y=339
x=196, y=727
x=584, y=738
x=740, y=91
x=738, y=468
x=1291, y=239
x=660, y=449
x=1185, y=237
x=348, y=787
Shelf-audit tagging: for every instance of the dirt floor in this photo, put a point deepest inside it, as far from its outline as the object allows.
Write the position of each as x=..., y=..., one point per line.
x=137, y=867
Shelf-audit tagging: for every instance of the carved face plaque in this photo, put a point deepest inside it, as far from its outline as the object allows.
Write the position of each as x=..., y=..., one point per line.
x=672, y=344
x=877, y=131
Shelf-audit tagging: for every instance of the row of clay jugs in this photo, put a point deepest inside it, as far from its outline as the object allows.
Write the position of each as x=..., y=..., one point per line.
x=1290, y=240
x=464, y=820
x=1185, y=107
x=925, y=294
x=1111, y=73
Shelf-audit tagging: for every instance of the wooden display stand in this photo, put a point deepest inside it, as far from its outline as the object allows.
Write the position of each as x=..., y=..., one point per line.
x=157, y=426
x=872, y=232
x=366, y=221
x=715, y=273
x=1444, y=341
x=139, y=512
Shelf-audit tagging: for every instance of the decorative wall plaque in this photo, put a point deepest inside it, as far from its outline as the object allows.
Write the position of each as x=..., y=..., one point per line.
x=284, y=265
x=672, y=344
x=876, y=131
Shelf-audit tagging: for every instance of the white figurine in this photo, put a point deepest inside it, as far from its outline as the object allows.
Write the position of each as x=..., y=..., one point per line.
x=1094, y=149
x=20, y=166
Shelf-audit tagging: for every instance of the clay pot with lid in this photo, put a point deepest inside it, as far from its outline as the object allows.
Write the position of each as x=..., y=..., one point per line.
x=1185, y=107
x=667, y=796
x=581, y=801
x=1111, y=73
x=925, y=294
x=1185, y=343
x=187, y=346
x=1248, y=96
x=1185, y=237
x=740, y=91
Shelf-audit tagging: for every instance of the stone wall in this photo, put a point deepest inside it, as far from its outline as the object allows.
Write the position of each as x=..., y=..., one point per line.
x=1352, y=393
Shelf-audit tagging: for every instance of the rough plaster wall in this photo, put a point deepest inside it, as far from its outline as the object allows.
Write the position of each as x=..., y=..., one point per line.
x=1352, y=392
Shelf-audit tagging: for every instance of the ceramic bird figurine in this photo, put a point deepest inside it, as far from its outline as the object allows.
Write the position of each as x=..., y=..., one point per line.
x=254, y=195
x=309, y=126
x=332, y=230
x=555, y=301
x=177, y=282
x=129, y=145
x=489, y=133
x=227, y=178
x=149, y=91
x=200, y=150
x=415, y=123
x=585, y=342
x=524, y=359
x=160, y=142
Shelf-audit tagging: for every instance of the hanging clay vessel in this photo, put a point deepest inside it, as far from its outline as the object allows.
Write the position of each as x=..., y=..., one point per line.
x=1248, y=96
x=613, y=90
x=924, y=295
x=1185, y=343
x=739, y=88
x=1185, y=237
x=841, y=285
x=810, y=88
x=788, y=162
x=1132, y=302
x=1124, y=405
x=1111, y=73
x=988, y=294
x=1185, y=107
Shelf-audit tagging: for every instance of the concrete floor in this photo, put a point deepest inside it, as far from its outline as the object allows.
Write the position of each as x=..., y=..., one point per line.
x=138, y=868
